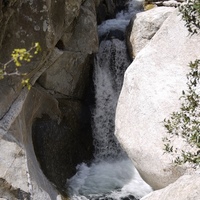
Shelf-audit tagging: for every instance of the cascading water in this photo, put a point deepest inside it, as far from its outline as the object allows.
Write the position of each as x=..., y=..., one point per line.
x=111, y=175
x=110, y=64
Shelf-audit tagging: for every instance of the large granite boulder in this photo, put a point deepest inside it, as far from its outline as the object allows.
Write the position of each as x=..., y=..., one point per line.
x=186, y=187
x=152, y=86
x=144, y=26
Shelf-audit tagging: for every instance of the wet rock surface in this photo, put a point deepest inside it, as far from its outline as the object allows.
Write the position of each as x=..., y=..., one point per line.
x=129, y=197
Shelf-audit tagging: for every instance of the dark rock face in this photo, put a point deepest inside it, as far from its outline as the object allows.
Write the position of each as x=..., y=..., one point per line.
x=107, y=9
x=121, y=4
x=59, y=75
x=60, y=147
x=129, y=197
x=26, y=22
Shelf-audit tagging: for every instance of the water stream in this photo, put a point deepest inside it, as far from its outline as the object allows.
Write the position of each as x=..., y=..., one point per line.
x=111, y=175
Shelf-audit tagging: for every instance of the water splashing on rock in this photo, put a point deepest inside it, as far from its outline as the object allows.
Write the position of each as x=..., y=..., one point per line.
x=111, y=175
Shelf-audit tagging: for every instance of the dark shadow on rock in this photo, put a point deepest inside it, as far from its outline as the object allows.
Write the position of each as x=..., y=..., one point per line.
x=60, y=147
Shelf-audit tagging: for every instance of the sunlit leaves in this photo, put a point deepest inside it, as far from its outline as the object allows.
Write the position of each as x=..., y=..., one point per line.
x=25, y=82
x=20, y=56
x=37, y=48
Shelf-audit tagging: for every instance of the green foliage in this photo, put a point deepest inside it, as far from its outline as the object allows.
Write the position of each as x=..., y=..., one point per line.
x=186, y=122
x=191, y=15
x=19, y=56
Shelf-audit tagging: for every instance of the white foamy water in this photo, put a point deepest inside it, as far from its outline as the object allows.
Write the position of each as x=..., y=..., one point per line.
x=110, y=66
x=122, y=18
x=111, y=175
x=116, y=179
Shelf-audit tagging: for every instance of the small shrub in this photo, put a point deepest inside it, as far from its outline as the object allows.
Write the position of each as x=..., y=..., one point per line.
x=186, y=122
x=191, y=15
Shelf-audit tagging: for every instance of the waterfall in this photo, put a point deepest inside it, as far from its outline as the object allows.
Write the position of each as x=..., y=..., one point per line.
x=111, y=175
x=110, y=65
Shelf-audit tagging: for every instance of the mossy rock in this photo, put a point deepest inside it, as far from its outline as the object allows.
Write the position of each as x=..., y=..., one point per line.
x=149, y=6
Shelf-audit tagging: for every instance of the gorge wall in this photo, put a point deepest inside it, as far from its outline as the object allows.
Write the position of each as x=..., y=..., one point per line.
x=44, y=131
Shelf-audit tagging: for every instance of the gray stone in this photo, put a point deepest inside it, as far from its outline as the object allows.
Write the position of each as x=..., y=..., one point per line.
x=144, y=27
x=85, y=38
x=66, y=76
x=153, y=84
x=41, y=23
x=71, y=33
x=19, y=166
x=185, y=188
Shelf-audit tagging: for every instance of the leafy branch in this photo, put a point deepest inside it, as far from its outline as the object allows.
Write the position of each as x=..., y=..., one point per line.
x=18, y=56
x=185, y=123
x=190, y=11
